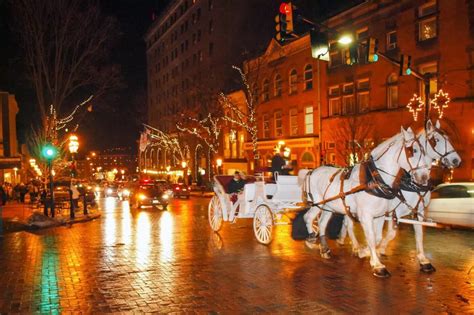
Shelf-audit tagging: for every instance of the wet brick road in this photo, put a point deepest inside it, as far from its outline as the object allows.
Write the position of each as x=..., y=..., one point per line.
x=170, y=261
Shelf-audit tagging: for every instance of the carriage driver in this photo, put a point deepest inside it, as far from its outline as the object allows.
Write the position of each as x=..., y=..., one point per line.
x=279, y=163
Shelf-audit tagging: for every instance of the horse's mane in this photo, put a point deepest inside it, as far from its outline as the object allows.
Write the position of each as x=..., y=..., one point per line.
x=383, y=146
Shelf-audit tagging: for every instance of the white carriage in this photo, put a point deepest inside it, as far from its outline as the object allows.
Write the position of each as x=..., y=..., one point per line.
x=263, y=202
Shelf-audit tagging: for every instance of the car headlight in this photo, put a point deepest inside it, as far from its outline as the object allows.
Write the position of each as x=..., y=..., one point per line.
x=109, y=191
x=165, y=196
x=141, y=197
x=125, y=192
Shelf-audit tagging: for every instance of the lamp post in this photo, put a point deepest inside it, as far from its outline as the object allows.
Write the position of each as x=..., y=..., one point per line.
x=73, y=147
x=219, y=164
x=184, y=165
x=15, y=171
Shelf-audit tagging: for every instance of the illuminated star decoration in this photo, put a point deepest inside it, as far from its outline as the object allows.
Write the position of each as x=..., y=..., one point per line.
x=440, y=102
x=415, y=105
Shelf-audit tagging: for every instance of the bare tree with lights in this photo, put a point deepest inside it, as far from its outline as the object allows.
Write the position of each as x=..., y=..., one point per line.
x=350, y=137
x=244, y=118
x=66, y=44
x=170, y=143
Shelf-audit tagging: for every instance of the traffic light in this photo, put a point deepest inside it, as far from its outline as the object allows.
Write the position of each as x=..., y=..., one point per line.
x=405, y=64
x=351, y=55
x=284, y=21
x=49, y=152
x=372, y=49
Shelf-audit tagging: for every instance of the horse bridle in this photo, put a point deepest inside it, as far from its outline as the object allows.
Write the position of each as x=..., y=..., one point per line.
x=409, y=152
x=430, y=138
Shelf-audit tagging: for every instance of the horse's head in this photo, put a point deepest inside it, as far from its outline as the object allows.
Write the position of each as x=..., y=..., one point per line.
x=413, y=158
x=438, y=146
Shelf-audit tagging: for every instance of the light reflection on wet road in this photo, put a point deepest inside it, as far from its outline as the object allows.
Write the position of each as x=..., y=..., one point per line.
x=170, y=261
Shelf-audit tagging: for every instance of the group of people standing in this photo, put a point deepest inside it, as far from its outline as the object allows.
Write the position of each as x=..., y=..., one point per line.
x=20, y=192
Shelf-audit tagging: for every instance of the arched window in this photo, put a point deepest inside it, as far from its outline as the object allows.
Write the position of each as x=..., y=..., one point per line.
x=292, y=81
x=392, y=91
x=278, y=84
x=308, y=77
x=265, y=90
x=307, y=157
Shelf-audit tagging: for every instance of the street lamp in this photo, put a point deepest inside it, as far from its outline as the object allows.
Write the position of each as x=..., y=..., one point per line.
x=345, y=39
x=73, y=148
x=15, y=170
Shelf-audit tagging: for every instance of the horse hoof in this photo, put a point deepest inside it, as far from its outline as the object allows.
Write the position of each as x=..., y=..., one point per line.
x=427, y=268
x=340, y=242
x=326, y=254
x=311, y=245
x=381, y=273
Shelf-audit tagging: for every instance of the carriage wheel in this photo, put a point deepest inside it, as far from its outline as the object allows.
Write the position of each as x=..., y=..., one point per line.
x=215, y=214
x=263, y=224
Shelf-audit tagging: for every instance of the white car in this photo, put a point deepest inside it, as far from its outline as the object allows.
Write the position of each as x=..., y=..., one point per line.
x=452, y=204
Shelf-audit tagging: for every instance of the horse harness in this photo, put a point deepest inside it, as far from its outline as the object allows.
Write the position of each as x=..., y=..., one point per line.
x=430, y=138
x=371, y=182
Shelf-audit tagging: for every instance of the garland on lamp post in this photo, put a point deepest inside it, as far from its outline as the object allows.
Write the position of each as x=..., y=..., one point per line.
x=415, y=106
x=440, y=102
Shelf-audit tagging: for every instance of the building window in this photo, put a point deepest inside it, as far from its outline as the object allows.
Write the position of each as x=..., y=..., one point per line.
x=348, y=102
x=211, y=27
x=278, y=84
x=308, y=77
x=335, y=57
x=255, y=93
x=429, y=68
x=293, y=122
x=363, y=95
x=278, y=124
x=392, y=91
x=308, y=120
x=266, y=126
x=427, y=21
x=265, y=90
x=292, y=81
x=307, y=158
x=334, y=100
x=391, y=40
x=362, y=35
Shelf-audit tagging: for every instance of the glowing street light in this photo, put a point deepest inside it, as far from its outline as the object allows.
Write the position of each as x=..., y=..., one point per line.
x=184, y=164
x=345, y=39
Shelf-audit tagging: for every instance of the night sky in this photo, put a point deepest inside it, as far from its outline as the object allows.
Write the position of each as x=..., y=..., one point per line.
x=116, y=118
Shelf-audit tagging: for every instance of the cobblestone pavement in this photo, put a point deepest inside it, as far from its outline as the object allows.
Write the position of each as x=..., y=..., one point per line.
x=170, y=261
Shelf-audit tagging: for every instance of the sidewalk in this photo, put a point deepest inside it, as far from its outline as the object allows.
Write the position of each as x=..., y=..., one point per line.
x=17, y=217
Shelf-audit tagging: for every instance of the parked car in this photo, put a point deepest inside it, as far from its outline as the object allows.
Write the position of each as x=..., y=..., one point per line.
x=180, y=191
x=124, y=192
x=151, y=196
x=452, y=204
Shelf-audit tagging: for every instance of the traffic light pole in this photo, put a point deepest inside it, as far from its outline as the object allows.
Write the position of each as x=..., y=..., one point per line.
x=425, y=78
x=51, y=186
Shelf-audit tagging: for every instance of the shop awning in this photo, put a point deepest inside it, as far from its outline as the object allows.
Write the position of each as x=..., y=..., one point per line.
x=10, y=162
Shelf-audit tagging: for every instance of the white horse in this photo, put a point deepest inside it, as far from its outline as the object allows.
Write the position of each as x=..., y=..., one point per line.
x=402, y=151
x=437, y=147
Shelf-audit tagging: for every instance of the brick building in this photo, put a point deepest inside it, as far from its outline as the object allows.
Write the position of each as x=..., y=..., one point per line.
x=285, y=81
x=367, y=102
x=191, y=48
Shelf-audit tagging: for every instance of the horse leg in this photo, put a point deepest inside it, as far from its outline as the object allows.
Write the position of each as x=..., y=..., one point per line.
x=350, y=230
x=323, y=222
x=425, y=264
x=343, y=233
x=309, y=217
x=379, y=269
x=391, y=233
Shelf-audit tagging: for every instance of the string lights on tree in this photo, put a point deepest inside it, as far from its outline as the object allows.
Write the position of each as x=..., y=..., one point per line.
x=415, y=106
x=244, y=118
x=207, y=130
x=440, y=102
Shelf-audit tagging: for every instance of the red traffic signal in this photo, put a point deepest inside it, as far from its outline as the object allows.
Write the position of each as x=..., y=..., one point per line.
x=285, y=8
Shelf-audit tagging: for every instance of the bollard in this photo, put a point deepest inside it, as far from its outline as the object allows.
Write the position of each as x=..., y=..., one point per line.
x=85, y=204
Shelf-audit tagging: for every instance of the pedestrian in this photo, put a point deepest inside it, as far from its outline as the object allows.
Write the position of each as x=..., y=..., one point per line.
x=75, y=196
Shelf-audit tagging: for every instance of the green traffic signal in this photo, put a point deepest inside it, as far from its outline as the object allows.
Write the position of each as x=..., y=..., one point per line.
x=49, y=152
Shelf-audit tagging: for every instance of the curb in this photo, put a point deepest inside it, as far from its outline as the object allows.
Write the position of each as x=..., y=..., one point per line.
x=83, y=219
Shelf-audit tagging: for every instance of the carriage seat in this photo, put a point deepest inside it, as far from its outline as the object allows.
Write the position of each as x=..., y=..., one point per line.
x=287, y=189
x=223, y=181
